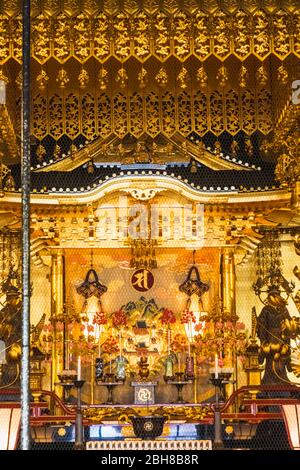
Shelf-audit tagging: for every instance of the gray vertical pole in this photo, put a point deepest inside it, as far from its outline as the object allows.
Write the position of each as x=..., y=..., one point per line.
x=25, y=389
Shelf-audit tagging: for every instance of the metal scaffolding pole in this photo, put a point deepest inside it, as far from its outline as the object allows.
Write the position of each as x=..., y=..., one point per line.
x=25, y=389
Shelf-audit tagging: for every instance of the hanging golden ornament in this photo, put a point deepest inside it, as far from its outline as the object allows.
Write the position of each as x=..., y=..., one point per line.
x=40, y=152
x=183, y=78
x=72, y=151
x=122, y=77
x=262, y=76
x=83, y=78
x=102, y=77
x=62, y=78
x=202, y=78
x=218, y=147
x=249, y=147
x=243, y=77
x=223, y=76
x=56, y=152
x=19, y=80
x=234, y=148
x=283, y=75
x=143, y=78
x=162, y=77
x=42, y=80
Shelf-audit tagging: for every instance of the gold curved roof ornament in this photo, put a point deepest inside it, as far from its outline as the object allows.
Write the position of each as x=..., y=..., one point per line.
x=175, y=149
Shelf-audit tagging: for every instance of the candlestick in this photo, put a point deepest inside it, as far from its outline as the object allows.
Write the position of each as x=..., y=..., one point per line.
x=79, y=368
x=216, y=367
x=67, y=355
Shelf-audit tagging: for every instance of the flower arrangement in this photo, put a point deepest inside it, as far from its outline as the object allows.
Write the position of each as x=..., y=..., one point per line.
x=168, y=317
x=110, y=345
x=221, y=337
x=100, y=318
x=119, y=319
x=179, y=343
x=188, y=317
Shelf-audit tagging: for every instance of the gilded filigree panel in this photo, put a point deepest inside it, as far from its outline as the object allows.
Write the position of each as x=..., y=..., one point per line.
x=72, y=115
x=184, y=113
x=261, y=34
x=88, y=126
x=232, y=112
x=56, y=118
x=221, y=37
x=121, y=39
x=204, y=111
x=202, y=35
x=39, y=121
x=182, y=33
x=282, y=39
x=81, y=37
x=136, y=115
x=77, y=30
x=217, y=112
x=4, y=39
x=101, y=37
x=241, y=38
x=120, y=115
x=141, y=34
x=104, y=120
x=297, y=34
x=248, y=111
x=61, y=38
x=162, y=27
x=264, y=111
x=152, y=114
x=201, y=118
x=41, y=38
x=16, y=38
x=168, y=118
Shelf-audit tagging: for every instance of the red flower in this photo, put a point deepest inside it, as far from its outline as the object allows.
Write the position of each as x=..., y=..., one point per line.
x=100, y=318
x=119, y=319
x=168, y=317
x=187, y=317
x=239, y=325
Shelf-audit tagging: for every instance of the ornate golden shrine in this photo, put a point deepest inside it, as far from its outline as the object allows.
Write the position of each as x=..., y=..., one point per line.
x=187, y=74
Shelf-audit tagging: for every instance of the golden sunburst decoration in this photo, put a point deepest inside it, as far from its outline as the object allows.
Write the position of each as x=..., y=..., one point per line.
x=295, y=359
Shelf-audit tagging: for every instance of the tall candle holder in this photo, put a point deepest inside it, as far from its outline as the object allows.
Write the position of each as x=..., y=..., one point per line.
x=79, y=438
x=217, y=383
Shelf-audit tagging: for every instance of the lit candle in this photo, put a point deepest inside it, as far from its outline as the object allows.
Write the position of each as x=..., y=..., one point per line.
x=99, y=340
x=216, y=367
x=79, y=368
x=120, y=343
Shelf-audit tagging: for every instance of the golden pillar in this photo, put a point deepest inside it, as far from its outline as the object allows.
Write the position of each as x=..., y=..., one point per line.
x=228, y=296
x=228, y=280
x=57, y=310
